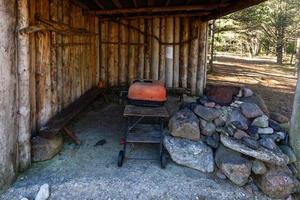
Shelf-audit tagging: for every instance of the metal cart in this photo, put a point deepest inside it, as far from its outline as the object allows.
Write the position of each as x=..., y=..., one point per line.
x=138, y=132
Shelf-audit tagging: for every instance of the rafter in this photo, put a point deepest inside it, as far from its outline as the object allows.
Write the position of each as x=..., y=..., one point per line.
x=117, y=3
x=199, y=7
x=99, y=4
x=135, y=3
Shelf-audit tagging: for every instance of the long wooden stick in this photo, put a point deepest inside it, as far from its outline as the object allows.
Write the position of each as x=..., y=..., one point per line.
x=155, y=49
x=169, y=51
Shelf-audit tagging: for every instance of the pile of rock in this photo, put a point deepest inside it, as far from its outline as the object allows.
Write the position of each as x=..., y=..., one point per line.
x=237, y=139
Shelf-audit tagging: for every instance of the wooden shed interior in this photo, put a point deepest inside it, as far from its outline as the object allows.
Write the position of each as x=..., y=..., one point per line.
x=65, y=47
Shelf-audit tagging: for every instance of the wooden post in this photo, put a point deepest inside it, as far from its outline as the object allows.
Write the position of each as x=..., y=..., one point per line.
x=184, y=51
x=23, y=66
x=132, y=52
x=155, y=49
x=141, y=62
x=148, y=49
x=97, y=50
x=8, y=114
x=212, y=46
x=59, y=60
x=169, y=51
x=176, y=52
x=116, y=53
x=194, y=56
x=103, y=59
x=295, y=119
x=123, y=52
x=201, y=72
x=110, y=62
x=162, y=53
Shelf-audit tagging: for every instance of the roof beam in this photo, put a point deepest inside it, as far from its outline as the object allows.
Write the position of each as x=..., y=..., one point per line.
x=117, y=3
x=238, y=5
x=99, y=4
x=200, y=7
x=135, y=3
x=150, y=2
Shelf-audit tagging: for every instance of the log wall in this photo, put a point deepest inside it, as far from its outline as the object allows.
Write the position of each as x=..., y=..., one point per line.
x=64, y=64
x=171, y=49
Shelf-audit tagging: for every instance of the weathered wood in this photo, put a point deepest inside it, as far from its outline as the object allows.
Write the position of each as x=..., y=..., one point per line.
x=201, y=58
x=131, y=110
x=59, y=121
x=59, y=60
x=169, y=51
x=8, y=114
x=23, y=68
x=194, y=49
x=116, y=53
x=133, y=37
x=176, y=52
x=141, y=62
x=148, y=49
x=123, y=52
x=199, y=7
x=184, y=52
x=72, y=136
x=103, y=64
x=145, y=133
x=155, y=49
x=97, y=50
x=111, y=55
x=162, y=53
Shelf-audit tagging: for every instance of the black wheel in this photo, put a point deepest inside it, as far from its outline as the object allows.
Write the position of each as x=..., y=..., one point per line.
x=163, y=160
x=120, y=158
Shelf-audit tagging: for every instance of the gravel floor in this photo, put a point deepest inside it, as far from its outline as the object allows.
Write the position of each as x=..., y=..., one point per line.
x=90, y=172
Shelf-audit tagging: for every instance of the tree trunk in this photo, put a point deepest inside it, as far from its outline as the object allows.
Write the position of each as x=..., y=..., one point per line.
x=279, y=45
x=295, y=119
x=23, y=88
x=8, y=114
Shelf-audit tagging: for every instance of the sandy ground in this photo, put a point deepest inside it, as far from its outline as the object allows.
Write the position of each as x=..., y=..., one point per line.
x=274, y=83
x=89, y=172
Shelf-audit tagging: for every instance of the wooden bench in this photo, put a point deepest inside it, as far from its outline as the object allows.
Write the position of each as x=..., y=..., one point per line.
x=59, y=121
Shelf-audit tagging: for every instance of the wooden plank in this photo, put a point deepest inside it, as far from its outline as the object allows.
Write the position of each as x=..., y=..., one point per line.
x=176, y=52
x=123, y=53
x=56, y=123
x=155, y=49
x=148, y=49
x=131, y=110
x=194, y=57
x=184, y=52
x=162, y=52
x=141, y=62
x=145, y=133
x=169, y=51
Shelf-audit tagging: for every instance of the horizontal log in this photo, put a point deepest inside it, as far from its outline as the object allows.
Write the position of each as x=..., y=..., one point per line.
x=199, y=7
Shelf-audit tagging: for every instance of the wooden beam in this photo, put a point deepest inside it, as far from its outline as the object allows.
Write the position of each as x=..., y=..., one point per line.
x=135, y=3
x=187, y=8
x=150, y=2
x=99, y=4
x=231, y=8
x=117, y=3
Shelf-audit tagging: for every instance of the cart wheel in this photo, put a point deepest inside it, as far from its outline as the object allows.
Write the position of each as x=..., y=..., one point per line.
x=120, y=158
x=163, y=161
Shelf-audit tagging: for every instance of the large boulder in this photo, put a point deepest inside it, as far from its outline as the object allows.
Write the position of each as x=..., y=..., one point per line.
x=238, y=120
x=233, y=165
x=206, y=113
x=196, y=155
x=263, y=154
x=251, y=110
x=185, y=124
x=256, y=99
x=222, y=95
x=277, y=182
x=44, y=149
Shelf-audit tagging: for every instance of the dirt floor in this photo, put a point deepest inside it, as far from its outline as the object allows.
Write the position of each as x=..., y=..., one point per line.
x=274, y=83
x=87, y=172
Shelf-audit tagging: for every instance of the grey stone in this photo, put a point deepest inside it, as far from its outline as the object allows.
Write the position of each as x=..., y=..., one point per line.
x=220, y=174
x=238, y=120
x=265, y=130
x=206, y=113
x=261, y=122
x=258, y=167
x=219, y=122
x=239, y=134
x=249, y=142
x=210, y=104
x=281, y=135
x=212, y=141
x=256, y=99
x=287, y=150
x=44, y=149
x=268, y=143
x=233, y=165
x=247, y=92
x=279, y=117
x=263, y=154
x=251, y=110
x=274, y=125
x=208, y=129
x=185, y=124
x=285, y=127
x=196, y=155
x=277, y=182
x=43, y=193
x=189, y=99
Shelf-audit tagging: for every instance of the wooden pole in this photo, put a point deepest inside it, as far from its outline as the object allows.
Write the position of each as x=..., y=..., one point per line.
x=111, y=55
x=184, y=52
x=123, y=52
x=148, y=49
x=141, y=65
x=176, y=52
x=194, y=56
x=103, y=59
x=212, y=45
x=169, y=51
x=8, y=114
x=201, y=72
x=116, y=53
x=295, y=119
x=23, y=88
x=155, y=49
x=97, y=50
x=132, y=52
x=162, y=53
x=59, y=60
